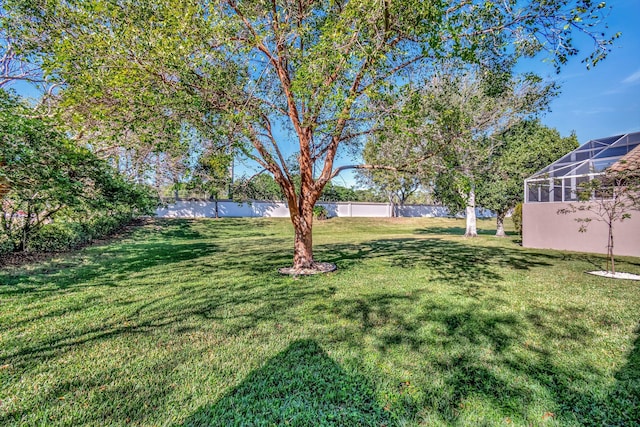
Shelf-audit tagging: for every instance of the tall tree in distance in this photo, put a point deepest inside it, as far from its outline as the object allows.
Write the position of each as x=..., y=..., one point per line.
x=395, y=184
x=523, y=149
x=467, y=108
x=281, y=73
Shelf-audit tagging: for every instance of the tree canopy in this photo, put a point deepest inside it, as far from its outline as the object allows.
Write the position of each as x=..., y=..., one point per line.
x=277, y=73
x=444, y=132
x=523, y=149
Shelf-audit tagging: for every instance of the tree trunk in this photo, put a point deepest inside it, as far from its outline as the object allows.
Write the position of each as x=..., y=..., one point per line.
x=500, y=224
x=303, y=240
x=610, y=249
x=471, y=215
x=394, y=212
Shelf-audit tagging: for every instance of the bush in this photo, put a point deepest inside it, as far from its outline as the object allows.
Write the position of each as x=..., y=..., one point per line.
x=517, y=218
x=105, y=225
x=57, y=236
x=320, y=212
x=65, y=233
x=6, y=246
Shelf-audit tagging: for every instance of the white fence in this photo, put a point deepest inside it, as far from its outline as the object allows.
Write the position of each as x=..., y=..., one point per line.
x=228, y=208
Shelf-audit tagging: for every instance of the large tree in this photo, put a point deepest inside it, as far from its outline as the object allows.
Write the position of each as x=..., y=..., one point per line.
x=280, y=73
x=522, y=150
x=445, y=131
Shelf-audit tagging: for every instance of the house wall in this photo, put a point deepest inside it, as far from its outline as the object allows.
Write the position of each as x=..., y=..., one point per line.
x=544, y=228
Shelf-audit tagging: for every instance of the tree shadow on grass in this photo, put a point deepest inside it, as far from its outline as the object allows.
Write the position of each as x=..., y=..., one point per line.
x=472, y=352
x=458, y=231
x=236, y=307
x=109, y=266
x=450, y=258
x=475, y=352
x=621, y=405
x=470, y=267
x=301, y=386
x=627, y=388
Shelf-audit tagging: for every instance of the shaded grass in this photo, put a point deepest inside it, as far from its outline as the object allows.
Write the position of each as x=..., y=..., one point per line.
x=187, y=322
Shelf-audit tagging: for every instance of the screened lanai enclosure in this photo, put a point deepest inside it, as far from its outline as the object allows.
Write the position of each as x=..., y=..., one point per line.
x=560, y=181
x=556, y=188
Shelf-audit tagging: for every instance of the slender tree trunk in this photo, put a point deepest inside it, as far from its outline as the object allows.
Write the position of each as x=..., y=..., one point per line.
x=500, y=224
x=610, y=249
x=401, y=206
x=471, y=215
x=25, y=235
x=394, y=213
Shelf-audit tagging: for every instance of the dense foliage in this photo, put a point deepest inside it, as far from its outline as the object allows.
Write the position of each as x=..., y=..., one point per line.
x=59, y=194
x=518, y=153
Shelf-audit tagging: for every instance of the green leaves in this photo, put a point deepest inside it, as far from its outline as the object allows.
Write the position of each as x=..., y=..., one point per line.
x=48, y=175
x=522, y=150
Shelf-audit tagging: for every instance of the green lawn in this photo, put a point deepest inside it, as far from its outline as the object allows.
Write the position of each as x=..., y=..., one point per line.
x=188, y=323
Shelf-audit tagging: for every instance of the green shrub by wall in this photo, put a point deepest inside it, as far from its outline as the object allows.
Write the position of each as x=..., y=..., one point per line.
x=64, y=233
x=517, y=218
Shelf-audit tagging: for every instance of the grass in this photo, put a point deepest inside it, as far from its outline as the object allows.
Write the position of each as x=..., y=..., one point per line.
x=188, y=323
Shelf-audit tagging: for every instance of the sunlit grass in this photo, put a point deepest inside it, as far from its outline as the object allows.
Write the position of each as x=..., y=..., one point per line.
x=188, y=322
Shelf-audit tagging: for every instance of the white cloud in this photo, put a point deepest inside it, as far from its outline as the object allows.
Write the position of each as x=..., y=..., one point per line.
x=632, y=78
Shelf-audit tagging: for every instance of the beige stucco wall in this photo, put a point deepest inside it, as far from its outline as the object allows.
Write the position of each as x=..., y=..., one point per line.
x=543, y=227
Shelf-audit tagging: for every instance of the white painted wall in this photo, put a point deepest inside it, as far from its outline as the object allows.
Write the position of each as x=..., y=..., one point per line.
x=228, y=208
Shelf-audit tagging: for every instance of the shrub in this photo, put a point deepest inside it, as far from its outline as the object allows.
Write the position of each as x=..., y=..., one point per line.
x=57, y=236
x=320, y=212
x=6, y=245
x=65, y=233
x=517, y=218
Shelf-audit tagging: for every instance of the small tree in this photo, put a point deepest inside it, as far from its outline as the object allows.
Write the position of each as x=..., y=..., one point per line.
x=609, y=199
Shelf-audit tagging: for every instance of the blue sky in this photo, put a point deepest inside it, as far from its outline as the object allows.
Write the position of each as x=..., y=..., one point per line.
x=605, y=100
